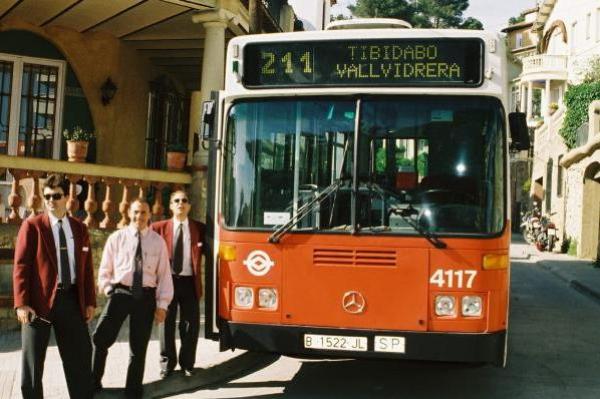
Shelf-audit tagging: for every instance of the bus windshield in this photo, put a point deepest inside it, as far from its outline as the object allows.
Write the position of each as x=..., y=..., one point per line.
x=416, y=163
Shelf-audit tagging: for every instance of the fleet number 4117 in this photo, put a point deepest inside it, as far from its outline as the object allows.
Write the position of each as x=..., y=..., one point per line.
x=453, y=278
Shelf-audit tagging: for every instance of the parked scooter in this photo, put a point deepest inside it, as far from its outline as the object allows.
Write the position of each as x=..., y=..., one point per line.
x=531, y=226
x=547, y=235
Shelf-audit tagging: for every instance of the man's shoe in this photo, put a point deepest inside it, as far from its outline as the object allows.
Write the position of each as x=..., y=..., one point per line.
x=189, y=372
x=165, y=373
x=96, y=386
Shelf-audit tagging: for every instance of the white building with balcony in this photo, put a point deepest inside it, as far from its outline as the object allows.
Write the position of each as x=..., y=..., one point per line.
x=566, y=181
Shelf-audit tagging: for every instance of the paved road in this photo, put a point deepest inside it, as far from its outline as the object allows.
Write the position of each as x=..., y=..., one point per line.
x=554, y=353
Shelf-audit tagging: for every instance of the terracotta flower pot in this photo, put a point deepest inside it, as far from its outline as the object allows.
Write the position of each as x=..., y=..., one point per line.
x=175, y=161
x=77, y=150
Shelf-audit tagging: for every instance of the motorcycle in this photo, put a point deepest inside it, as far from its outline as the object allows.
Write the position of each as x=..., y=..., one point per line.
x=547, y=236
x=531, y=226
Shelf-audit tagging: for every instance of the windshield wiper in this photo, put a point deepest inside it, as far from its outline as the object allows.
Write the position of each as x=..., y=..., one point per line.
x=305, y=210
x=429, y=236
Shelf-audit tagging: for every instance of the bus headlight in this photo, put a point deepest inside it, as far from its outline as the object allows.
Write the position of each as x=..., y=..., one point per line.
x=267, y=298
x=244, y=297
x=471, y=306
x=445, y=305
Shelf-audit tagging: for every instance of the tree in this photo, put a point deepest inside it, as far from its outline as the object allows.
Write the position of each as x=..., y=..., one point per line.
x=516, y=20
x=420, y=13
x=400, y=9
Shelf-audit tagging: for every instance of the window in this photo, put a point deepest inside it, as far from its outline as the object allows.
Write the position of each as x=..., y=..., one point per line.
x=31, y=96
x=439, y=158
x=548, y=194
x=573, y=36
x=559, y=178
x=168, y=115
x=588, y=26
x=598, y=24
x=519, y=40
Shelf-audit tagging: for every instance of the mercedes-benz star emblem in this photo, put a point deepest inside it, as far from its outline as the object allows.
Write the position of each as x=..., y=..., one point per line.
x=353, y=302
x=258, y=263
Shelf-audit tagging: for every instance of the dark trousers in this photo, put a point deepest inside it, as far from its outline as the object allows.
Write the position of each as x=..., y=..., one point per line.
x=74, y=346
x=189, y=326
x=141, y=315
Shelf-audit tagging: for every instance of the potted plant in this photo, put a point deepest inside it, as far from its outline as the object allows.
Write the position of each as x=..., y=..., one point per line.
x=176, y=154
x=77, y=143
x=552, y=108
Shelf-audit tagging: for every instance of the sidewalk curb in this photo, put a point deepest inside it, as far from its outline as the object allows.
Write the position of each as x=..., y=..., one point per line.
x=572, y=282
x=176, y=384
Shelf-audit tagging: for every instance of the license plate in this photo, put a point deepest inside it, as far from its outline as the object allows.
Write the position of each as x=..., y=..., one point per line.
x=552, y=232
x=389, y=344
x=335, y=342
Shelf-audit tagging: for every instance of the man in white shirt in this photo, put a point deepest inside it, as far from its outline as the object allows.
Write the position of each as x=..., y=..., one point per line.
x=135, y=275
x=53, y=280
x=184, y=238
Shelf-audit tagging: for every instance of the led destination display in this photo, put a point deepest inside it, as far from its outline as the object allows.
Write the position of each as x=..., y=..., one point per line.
x=382, y=62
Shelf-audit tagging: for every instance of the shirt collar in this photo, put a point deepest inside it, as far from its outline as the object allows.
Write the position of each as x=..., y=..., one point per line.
x=54, y=220
x=176, y=223
x=133, y=230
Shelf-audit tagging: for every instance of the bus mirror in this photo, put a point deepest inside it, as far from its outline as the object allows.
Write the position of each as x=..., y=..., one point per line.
x=208, y=119
x=519, y=132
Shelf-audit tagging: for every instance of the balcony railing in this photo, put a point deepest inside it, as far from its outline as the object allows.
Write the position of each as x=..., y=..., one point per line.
x=544, y=63
x=100, y=178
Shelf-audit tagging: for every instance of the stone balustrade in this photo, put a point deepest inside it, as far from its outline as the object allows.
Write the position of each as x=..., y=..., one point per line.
x=544, y=63
x=111, y=189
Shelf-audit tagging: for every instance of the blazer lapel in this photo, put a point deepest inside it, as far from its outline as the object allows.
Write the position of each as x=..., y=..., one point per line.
x=48, y=239
x=194, y=237
x=169, y=236
x=77, y=238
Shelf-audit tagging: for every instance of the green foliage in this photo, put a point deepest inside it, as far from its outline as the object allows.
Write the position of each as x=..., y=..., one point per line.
x=592, y=72
x=572, y=247
x=78, y=134
x=526, y=186
x=177, y=147
x=516, y=20
x=421, y=14
x=577, y=99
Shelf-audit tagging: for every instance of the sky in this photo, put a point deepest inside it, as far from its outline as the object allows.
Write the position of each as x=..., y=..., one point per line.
x=492, y=13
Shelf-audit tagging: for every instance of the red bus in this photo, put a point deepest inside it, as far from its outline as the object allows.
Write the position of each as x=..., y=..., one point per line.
x=358, y=198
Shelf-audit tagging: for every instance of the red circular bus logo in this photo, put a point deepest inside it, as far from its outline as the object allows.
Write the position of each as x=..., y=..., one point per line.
x=353, y=302
x=258, y=263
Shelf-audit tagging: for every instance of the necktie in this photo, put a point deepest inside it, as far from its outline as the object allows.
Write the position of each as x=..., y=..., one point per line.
x=65, y=269
x=138, y=271
x=178, y=252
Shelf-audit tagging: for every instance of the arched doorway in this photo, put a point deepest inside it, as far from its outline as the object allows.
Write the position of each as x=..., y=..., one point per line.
x=590, y=224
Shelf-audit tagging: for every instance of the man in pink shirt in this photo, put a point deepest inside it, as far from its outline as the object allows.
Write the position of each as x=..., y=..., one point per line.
x=136, y=276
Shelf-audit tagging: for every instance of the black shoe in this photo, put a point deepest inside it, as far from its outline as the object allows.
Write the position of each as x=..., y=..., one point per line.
x=165, y=373
x=189, y=372
x=96, y=386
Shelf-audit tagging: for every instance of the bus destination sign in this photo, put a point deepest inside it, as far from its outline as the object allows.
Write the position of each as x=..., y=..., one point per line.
x=442, y=62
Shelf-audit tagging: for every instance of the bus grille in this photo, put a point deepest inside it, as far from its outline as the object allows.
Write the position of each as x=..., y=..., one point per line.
x=351, y=257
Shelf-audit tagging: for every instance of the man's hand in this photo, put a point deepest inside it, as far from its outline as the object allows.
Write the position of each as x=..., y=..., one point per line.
x=89, y=313
x=160, y=315
x=23, y=314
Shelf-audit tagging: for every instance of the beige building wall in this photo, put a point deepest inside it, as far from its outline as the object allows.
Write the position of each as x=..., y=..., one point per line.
x=121, y=125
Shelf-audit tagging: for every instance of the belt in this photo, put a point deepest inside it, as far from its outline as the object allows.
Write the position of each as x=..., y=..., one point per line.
x=179, y=276
x=65, y=287
x=125, y=289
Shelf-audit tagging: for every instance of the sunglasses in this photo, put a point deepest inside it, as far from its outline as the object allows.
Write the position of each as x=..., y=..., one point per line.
x=55, y=196
x=182, y=200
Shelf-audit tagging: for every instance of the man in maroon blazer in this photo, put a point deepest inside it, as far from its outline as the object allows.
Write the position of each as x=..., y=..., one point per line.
x=53, y=281
x=184, y=239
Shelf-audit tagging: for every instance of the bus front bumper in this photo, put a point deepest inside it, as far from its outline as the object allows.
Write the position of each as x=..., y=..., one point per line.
x=431, y=346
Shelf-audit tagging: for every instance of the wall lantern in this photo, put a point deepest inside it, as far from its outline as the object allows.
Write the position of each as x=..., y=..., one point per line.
x=108, y=91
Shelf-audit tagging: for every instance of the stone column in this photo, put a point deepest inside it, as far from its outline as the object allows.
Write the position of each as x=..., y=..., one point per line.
x=547, y=99
x=523, y=92
x=529, y=100
x=213, y=77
